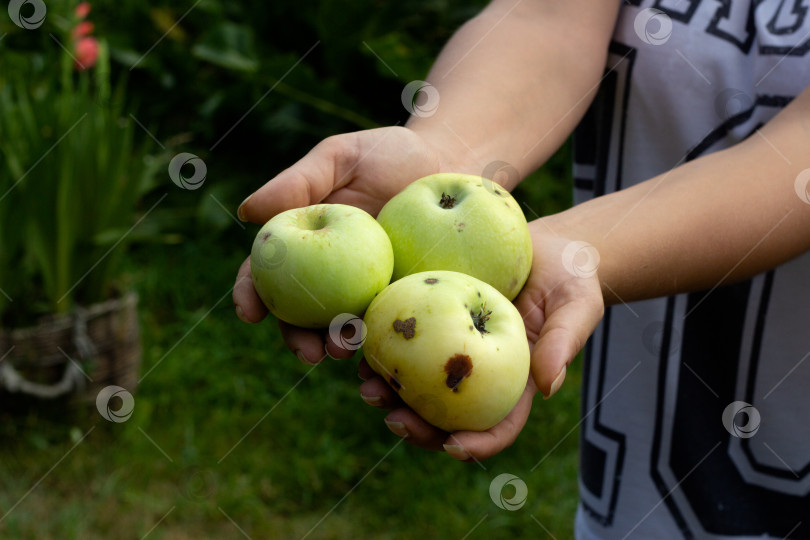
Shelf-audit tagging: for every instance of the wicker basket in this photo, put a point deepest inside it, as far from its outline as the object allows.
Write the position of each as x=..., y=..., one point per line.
x=74, y=354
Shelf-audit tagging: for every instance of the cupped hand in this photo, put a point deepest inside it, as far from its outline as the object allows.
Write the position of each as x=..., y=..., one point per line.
x=363, y=169
x=561, y=302
x=561, y=305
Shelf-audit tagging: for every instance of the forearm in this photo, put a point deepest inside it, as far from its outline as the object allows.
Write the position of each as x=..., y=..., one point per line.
x=718, y=219
x=514, y=81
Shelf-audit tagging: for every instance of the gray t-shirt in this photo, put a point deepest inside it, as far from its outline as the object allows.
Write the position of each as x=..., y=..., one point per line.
x=696, y=407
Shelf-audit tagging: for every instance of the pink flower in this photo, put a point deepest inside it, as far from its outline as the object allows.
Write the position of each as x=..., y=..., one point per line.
x=82, y=29
x=82, y=10
x=86, y=50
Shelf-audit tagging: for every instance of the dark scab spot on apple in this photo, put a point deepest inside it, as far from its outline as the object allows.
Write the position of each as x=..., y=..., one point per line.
x=458, y=367
x=407, y=327
x=513, y=283
x=265, y=237
x=431, y=281
x=478, y=293
x=460, y=226
x=472, y=328
x=395, y=384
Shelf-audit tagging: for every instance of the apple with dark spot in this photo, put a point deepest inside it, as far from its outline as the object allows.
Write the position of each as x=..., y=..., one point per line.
x=452, y=346
x=459, y=222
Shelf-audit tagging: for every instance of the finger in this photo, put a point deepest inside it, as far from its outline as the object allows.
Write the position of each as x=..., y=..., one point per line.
x=563, y=335
x=305, y=343
x=346, y=344
x=248, y=305
x=405, y=423
x=477, y=446
x=364, y=370
x=402, y=421
x=378, y=393
x=309, y=181
x=336, y=351
x=368, y=201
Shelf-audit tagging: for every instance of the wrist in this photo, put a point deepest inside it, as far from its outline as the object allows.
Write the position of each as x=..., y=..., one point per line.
x=453, y=156
x=457, y=156
x=574, y=250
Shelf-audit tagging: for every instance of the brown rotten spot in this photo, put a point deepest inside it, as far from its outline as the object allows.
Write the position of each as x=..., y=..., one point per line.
x=407, y=327
x=457, y=368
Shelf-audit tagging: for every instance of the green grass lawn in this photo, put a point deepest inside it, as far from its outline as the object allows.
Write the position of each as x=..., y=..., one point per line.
x=233, y=437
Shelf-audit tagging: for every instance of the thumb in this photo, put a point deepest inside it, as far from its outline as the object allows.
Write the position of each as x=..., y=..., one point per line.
x=310, y=180
x=563, y=335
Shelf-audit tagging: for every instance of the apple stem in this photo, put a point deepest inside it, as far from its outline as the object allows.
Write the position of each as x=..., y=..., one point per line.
x=447, y=201
x=481, y=319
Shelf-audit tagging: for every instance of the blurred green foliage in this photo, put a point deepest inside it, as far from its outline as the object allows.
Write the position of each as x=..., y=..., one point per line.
x=252, y=86
x=71, y=172
x=304, y=70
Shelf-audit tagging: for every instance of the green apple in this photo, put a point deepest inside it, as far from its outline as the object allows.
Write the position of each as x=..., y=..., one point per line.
x=311, y=264
x=453, y=347
x=459, y=222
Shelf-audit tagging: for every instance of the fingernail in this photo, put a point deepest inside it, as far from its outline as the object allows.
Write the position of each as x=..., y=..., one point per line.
x=397, y=428
x=374, y=401
x=240, y=212
x=556, y=384
x=301, y=357
x=326, y=350
x=456, y=451
x=241, y=314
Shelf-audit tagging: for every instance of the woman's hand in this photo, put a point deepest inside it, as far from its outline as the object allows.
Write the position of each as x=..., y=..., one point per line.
x=561, y=304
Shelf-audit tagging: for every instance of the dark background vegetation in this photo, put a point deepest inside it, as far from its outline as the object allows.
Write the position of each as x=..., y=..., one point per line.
x=232, y=436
